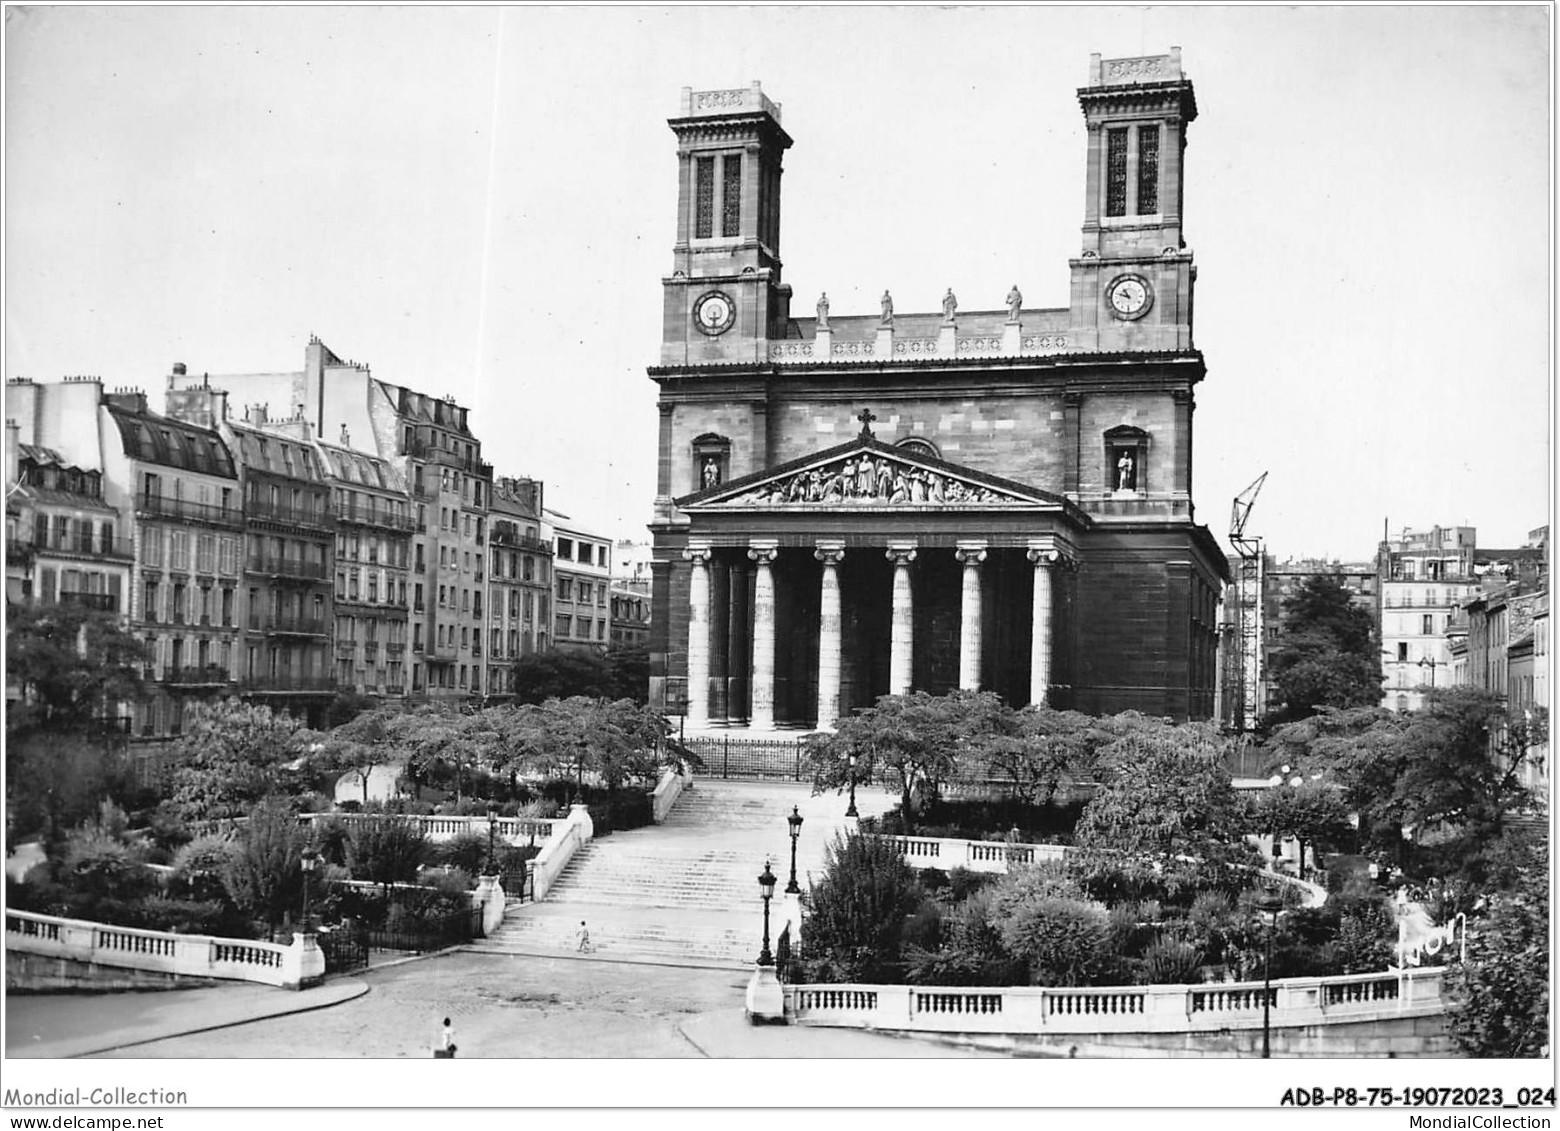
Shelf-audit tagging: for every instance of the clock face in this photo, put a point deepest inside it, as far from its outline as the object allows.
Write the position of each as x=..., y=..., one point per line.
x=714, y=313
x=1129, y=296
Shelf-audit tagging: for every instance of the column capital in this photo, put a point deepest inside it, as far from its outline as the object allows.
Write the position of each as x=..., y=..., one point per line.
x=665, y=409
x=901, y=553
x=829, y=551
x=763, y=550
x=1043, y=557
x=971, y=553
x=698, y=553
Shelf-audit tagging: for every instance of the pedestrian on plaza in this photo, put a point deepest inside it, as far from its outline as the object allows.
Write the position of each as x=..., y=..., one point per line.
x=583, y=935
x=444, y=1049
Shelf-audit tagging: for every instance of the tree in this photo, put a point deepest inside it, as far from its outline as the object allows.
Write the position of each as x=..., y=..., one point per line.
x=65, y=753
x=1038, y=751
x=264, y=876
x=1327, y=653
x=559, y=674
x=231, y=755
x=1164, y=791
x=358, y=745
x=70, y=665
x=1500, y=994
x=913, y=743
x=617, y=741
x=386, y=851
x=1313, y=813
x=630, y=666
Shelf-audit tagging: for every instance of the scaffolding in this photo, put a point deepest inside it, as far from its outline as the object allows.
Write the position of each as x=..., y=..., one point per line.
x=1243, y=660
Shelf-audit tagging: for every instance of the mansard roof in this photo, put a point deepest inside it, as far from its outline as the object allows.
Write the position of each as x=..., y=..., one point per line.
x=172, y=443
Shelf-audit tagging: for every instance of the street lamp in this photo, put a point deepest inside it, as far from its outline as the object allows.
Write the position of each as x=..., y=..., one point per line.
x=1432, y=664
x=766, y=885
x=795, y=821
x=492, y=830
x=309, y=861
x=851, y=811
x=1269, y=903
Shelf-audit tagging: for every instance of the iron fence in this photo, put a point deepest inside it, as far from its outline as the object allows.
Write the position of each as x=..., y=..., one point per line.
x=424, y=935
x=345, y=948
x=769, y=758
x=519, y=882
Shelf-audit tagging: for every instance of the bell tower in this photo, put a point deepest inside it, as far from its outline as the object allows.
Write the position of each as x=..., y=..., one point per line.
x=1132, y=284
x=724, y=300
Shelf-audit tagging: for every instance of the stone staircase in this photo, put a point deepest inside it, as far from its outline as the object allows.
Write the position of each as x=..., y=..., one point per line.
x=686, y=890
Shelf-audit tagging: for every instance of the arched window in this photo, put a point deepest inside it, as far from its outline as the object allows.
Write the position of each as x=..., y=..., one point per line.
x=919, y=447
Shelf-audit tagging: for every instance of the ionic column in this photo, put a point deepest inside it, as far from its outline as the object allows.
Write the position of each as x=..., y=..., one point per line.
x=902, y=634
x=763, y=684
x=970, y=555
x=698, y=712
x=1044, y=560
x=830, y=554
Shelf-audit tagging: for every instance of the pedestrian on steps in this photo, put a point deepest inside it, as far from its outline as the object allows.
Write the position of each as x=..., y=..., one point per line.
x=583, y=935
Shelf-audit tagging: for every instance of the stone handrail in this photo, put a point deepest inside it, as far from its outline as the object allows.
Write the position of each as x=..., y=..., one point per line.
x=667, y=791
x=1118, y=1009
x=567, y=838
x=294, y=966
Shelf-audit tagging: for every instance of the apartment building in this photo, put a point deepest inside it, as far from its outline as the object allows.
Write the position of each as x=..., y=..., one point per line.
x=519, y=581
x=582, y=575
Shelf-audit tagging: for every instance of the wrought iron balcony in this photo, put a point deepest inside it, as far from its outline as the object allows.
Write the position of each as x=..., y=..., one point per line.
x=103, y=602
x=206, y=675
x=286, y=567
x=366, y=516
x=22, y=549
x=284, y=682
x=291, y=515
x=158, y=506
x=293, y=626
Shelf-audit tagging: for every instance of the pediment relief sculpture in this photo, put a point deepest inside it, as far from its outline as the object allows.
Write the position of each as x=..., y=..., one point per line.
x=863, y=478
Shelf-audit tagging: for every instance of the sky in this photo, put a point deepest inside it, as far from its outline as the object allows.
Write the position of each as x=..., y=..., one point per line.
x=481, y=202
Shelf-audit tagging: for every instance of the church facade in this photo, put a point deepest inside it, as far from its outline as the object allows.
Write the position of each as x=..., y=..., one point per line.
x=854, y=505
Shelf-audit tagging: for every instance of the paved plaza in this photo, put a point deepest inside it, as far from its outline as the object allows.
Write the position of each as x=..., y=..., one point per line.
x=502, y=1006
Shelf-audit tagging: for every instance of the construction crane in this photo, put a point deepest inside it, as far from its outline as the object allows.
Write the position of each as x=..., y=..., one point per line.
x=1243, y=661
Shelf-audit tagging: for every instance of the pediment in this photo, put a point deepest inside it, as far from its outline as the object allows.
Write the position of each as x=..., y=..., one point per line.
x=866, y=474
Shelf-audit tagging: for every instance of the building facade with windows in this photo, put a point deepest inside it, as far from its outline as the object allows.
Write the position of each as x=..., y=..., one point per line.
x=850, y=505
x=582, y=584
x=519, y=581
x=374, y=585
x=64, y=543
x=1424, y=575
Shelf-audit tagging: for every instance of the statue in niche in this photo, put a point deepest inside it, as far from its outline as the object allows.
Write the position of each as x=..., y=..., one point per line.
x=823, y=311
x=1014, y=301
x=710, y=476
x=1126, y=472
x=887, y=318
x=950, y=307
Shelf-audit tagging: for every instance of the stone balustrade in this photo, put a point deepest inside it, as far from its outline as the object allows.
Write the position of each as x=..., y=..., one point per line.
x=293, y=966
x=1211, y=1008
x=567, y=838
x=667, y=791
x=514, y=831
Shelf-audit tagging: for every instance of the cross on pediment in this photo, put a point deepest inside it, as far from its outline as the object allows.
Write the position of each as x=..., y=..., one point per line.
x=866, y=416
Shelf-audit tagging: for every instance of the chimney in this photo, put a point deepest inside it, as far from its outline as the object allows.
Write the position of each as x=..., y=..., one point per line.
x=13, y=454
x=179, y=369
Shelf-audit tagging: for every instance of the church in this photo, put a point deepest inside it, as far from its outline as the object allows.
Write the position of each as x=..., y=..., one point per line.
x=851, y=505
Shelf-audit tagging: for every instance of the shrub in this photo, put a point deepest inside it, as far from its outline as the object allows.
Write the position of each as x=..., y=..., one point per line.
x=96, y=865
x=199, y=868
x=1065, y=942
x=857, y=912
x=264, y=877
x=971, y=952
x=386, y=851
x=1171, y=962
x=1367, y=936
x=467, y=851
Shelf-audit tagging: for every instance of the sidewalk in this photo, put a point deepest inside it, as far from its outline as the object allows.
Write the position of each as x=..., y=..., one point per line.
x=67, y=1025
